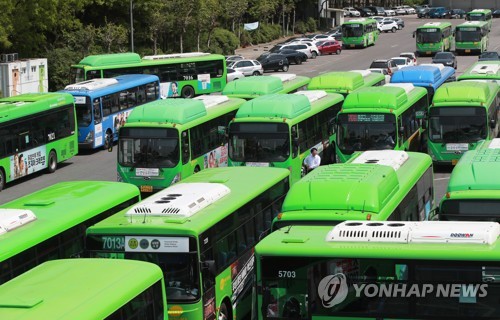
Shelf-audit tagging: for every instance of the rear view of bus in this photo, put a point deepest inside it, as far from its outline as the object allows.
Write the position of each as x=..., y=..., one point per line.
x=480, y=15
x=380, y=270
x=256, y=86
x=433, y=37
x=381, y=118
x=373, y=185
x=345, y=82
x=473, y=192
x=280, y=130
x=471, y=36
x=482, y=71
x=462, y=114
x=169, y=140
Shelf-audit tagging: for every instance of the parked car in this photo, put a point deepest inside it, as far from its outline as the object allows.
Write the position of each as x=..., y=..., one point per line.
x=389, y=12
x=273, y=62
x=436, y=12
x=402, y=62
x=400, y=22
x=298, y=46
x=365, y=12
x=311, y=47
x=386, y=64
x=410, y=55
x=293, y=56
x=489, y=56
x=330, y=46
x=454, y=14
x=247, y=67
x=496, y=13
x=336, y=34
x=378, y=11
x=234, y=58
x=234, y=75
x=387, y=25
x=351, y=12
x=382, y=71
x=296, y=39
x=409, y=10
x=446, y=58
x=400, y=11
x=319, y=37
x=423, y=13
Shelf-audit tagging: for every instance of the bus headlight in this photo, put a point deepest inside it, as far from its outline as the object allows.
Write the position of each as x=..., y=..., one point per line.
x=89, y=137
x=176, y=179
x=118, y=177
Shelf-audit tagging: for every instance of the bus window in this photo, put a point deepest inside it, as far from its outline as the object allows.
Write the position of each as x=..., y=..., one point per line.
x=97, y=111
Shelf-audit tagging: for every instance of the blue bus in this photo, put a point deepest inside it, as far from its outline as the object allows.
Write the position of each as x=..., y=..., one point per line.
x=103, y=104
x=428, y=76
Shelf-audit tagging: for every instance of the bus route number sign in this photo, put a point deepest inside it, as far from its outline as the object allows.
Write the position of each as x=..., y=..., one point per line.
x=366, y=118
x=429, y=30
x=113, y=243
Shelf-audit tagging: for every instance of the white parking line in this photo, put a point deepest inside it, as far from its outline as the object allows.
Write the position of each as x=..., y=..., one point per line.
x=439, y=179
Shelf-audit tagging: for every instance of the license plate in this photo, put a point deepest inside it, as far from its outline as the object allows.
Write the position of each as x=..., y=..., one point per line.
x=146, y=188
x=457, y=146
x=257, y=164
x=454, y=162
x=352, y=45
x=427, y=52
x=467, y=50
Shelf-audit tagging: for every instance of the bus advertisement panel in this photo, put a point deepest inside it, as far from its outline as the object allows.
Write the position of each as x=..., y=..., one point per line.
x=434, y=37
x=359, y=33
x=37, y=131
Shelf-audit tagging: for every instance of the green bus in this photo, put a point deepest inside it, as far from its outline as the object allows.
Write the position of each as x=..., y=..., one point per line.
x=374, y=185
x=471, y=36
x=201, y=232
x=280, y=130
x=461, y=115
x=345, y=82
x=50, y=223
x=380, y=270
x=181, y=74
x=480, y=15
x=165, y=141
x=386, y=117
x=473, y=192
x=37, y=131
x=434, y=37
x=484, y=71
x=360, y=32
x=86, y=289
x=255, y=86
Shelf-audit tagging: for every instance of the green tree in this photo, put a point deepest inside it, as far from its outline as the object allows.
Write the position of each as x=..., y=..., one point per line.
x=113, y=37
x=6, y=27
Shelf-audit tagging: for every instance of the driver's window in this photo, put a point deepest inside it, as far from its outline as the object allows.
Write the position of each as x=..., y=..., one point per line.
x=185, y=147
x=97, y=111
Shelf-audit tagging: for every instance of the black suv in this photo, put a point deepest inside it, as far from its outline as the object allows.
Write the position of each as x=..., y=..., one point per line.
x=273, y=61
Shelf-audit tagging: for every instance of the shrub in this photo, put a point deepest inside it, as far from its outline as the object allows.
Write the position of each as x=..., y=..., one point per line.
x=223, y=41
x=312, y=25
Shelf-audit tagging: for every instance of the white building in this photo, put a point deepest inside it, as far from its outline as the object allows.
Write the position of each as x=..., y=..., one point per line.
x=22, y=76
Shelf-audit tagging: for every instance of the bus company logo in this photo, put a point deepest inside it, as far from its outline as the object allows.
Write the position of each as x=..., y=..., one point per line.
x=462, y=235
x=133, y=243
x=144, y=243
x=333, y=290
x=155, y=244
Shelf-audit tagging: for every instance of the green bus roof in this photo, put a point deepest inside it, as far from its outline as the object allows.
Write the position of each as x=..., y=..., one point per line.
x=362, y=21
x=468, y=24
x=58, y=208
x=438, y=25
x=352, y=190
x=292, y=107
x=171, y=112
x=119, y=60
x=344, y=81
x=479, y=11
x=310, y=241
x=465, y=93
x=394, y=97
x=478, y=169
x=235, y=179
x=256, y=86
x=482, y=70
x=75, y=289
x=30, y=103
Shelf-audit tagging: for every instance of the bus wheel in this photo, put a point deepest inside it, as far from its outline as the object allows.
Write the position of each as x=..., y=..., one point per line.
x=196, y=169
x=223, y=312
x=2, y=179
x=52, y=161
x=187, y=92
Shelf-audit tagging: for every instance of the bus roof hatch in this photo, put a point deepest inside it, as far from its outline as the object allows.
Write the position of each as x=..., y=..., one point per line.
x=211, y=101
x=93, y=84
x=392, y=158
x=11, y=219
x=494, y=144
x=312, y=95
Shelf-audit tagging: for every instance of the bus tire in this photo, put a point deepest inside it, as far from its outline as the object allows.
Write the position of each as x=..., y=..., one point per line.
x=187, y=92
x=52, y=165
x=196, y=169
x=224, y=311
x=2, y=179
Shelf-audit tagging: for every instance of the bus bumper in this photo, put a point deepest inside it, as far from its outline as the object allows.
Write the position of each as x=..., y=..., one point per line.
x=86, y=145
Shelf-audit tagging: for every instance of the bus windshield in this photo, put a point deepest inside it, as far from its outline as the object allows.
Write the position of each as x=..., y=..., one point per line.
x=259, y=142
x=457, y=124
x=148, y=147
x=476, y=17
x=470, y=210
x=308, y=286
x=428, y=36
x=468, y=36
x=77, y=75
x=369, y=131
x=352, y=30
x=83, y=114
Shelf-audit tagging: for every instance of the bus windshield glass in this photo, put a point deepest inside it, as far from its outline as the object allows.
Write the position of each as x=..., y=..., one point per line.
x=466, y=35
x=298, y=288
x=148, y=147
x=368, y=131
x=352, y=30
x=259, y=142
x=77, y=75
x=457, y=124
x=476, y=17
x=430, y=35
x=83, y=114
x=470, y=210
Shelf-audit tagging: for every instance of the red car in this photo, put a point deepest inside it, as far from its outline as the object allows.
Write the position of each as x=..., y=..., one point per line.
x=329, y=47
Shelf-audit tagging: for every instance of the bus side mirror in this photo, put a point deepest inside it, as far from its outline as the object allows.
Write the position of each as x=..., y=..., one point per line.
x=295, y=147
x=331, y=126
x=434, y=214
x=493, y=123
x=209, y=266
x=413, y=34
x=424, y=124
